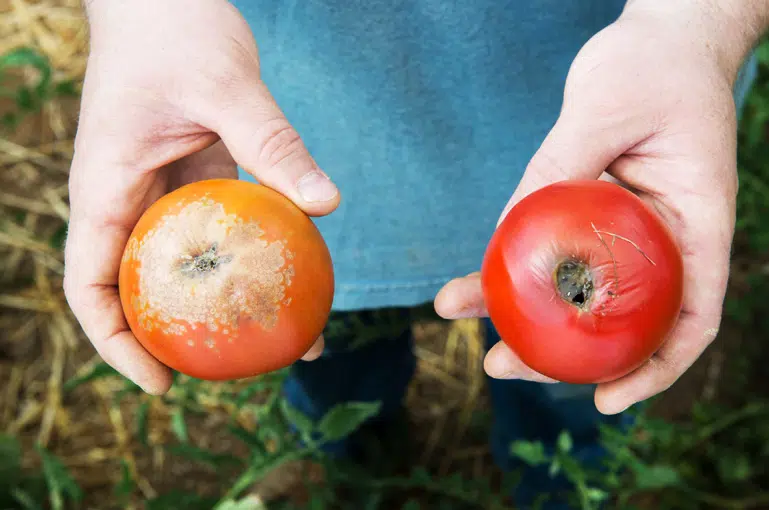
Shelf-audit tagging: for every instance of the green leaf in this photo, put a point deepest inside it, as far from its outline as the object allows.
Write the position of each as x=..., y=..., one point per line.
x=411, y=504
x=99, y=371
x=734, y=467
x=67, y=88
x=59, y=237
x=126, y=486
x=249, y=438
x=420, y=475
x=204, y=456
x=555, y=468
x=142, y=415
x=296, y=418
x=178, y=500
x=531, y=452
x=26, y=99
x=247, y=503
x=178, y=425
x=564, y=442
x=594, y=494
x=22, y=57
x=10, y=120
x=10, y=459
x=26, y=500
x=657, y=476
x=345, y=418
x=374, y=501
x=60, y=484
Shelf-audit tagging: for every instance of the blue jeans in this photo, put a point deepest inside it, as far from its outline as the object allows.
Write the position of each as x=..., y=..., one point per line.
x=380, y=367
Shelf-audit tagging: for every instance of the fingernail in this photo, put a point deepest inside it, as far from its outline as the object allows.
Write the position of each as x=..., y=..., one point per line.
x=316, y=187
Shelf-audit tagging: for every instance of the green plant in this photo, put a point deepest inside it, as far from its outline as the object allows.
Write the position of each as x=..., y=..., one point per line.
x=716, y=460
x=26, y=490
x=29, y=98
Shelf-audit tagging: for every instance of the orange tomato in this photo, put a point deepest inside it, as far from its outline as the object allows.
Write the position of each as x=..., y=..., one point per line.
x=223, y=279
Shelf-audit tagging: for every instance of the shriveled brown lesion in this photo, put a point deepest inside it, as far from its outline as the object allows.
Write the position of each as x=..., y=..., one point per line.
x=204, y=266
x=574, y=282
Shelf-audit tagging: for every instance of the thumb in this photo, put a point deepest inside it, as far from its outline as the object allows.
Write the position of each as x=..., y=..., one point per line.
x=263, y=142
x=577, y=147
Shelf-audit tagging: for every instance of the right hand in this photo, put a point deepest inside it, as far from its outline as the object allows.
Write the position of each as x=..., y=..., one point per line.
x=172, y=95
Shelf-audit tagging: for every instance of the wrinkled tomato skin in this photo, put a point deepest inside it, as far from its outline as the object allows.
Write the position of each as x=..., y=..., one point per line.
x=637, y=273
x=263, y=305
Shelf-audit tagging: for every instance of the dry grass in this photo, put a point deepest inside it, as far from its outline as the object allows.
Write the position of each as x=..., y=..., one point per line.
x=42, y=345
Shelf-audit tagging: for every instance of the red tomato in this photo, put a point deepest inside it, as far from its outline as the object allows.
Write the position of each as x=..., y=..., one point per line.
x=223, y=279
x=583, y=281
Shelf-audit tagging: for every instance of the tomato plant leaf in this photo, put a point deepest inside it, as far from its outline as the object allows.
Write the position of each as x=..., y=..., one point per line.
x=298, y=419
x=126, y=485
x=531, y=452
x=555, y=468
x=412, y=504
x=25, y=499
x=61, y=485
x=596, y=494
x=178, y=500
x=22, y=57
x=564, y=442
x=657, y=476
x=247, y=503
x=249, y=438
x=10, y=459
x=734, y=467
x=345, y=418
x=202, y=455
x=420, y=475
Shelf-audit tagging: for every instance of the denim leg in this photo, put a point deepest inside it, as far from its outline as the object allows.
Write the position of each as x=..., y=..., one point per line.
x=539, y=412
x=368, y=357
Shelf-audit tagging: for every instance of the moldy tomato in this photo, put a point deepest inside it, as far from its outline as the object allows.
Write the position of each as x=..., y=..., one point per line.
x=223, y=279
x=583, y=281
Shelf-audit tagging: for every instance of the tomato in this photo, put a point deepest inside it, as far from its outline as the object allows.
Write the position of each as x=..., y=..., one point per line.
x=583, y=281
x=223, y=279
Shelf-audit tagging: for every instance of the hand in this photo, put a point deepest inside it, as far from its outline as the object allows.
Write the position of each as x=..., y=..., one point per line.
x=648, y=101
x=172, y=94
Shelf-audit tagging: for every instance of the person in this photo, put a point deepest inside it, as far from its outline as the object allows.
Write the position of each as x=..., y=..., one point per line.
x=431, y=118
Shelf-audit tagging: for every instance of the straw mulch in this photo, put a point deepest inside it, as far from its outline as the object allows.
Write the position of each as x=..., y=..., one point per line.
x=42, y=346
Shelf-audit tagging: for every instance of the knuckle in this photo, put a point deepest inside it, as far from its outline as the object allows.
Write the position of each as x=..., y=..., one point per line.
x=278, y=142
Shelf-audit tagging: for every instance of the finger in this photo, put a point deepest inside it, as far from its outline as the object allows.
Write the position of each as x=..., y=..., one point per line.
x=263, y=143
x=315, y=351
x=92, y=258
x=579, y=146
x=706, y=250
x=502, y=363
x=461, y=298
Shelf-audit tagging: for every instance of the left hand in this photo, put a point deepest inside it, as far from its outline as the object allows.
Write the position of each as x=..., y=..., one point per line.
x=648, y=101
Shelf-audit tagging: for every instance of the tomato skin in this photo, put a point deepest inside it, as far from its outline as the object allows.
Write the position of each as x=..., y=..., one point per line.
x=223, y=279
x=637, y=281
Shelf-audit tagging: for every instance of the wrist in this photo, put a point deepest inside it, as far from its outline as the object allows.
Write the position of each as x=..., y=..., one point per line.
x=726, y=29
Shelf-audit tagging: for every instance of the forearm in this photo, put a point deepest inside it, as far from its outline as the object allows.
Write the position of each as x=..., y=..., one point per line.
x=728, y=28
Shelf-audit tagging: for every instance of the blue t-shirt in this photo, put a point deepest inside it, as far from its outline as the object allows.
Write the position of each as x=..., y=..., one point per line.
x=425, y=113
